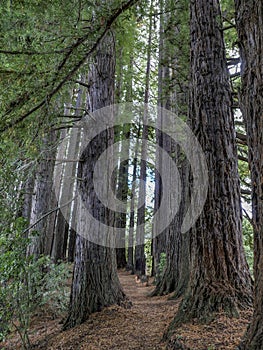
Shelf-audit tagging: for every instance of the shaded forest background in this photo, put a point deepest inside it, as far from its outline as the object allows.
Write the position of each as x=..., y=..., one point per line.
x=60, y=63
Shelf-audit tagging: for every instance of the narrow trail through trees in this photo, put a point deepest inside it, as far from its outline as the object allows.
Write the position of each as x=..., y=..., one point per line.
x=139, y=327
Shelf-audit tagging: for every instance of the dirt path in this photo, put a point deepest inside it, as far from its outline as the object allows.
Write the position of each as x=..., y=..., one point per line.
x=140, y=327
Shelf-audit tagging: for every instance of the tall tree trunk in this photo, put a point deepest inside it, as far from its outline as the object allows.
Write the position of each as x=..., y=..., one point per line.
x=130, y=259
x=75, y=141
x=140, y=260
x=174, y=276
x=28, y=192
x=66, y=168
x=159, y=242
x=41, y=201
x=122, y=194
x=250, y=30
x=219, y=274
x=125, y=91
x=58, y=221
x=95, y=282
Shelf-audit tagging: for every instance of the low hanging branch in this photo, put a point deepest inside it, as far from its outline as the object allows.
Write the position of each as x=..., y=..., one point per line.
x=125, y=6
x=47, y=214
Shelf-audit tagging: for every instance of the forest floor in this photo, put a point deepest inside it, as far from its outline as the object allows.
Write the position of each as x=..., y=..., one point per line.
x=139, y=327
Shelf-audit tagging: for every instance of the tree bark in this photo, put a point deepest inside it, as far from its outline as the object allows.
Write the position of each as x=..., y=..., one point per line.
x=122, y=194
x=159, y=242
x=130, y=261
x=41, y=201
x=28, y=192
x=95, y=281
x=250, y=30
x=140, y=259
x=67, y=183
x=175, y=275
x=219, y=274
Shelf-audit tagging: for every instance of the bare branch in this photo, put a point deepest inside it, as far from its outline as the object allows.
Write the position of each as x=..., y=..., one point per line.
x=31, y=53
x=82, y=84
x=47, y=214
x=244, y=159
x=246, y=192
x=248, y=217
x=241, y=138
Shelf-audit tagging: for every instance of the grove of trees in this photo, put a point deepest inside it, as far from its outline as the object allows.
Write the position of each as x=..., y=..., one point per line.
x=198, y=61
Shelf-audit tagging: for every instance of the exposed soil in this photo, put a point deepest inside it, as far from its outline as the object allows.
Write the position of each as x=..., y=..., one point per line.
x=139, y=327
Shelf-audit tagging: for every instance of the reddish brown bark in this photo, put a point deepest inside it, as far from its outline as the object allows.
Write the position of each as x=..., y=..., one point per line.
x=250, y=30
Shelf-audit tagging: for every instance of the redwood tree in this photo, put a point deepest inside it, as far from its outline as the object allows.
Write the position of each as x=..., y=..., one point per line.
x=172, y=92
x=41, y=201
x=250, y=31
x=219, y=274
x=95, y=281
x=140, y=260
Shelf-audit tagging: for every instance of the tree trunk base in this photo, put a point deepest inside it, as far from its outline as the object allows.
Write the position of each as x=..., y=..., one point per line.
x=206, y=302
x=72, y=321
x=169, y=284
x=253, y=339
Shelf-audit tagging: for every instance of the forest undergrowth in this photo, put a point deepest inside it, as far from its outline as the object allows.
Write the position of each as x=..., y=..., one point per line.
x=139, y=327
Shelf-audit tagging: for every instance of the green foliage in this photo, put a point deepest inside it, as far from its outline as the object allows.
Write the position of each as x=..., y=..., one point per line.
x=248, y=243
x=44, y=49
x=228, y=16
x=27, y=284
x=132, y=35
x=148, y=250
x=54, y=290
x=34, y=42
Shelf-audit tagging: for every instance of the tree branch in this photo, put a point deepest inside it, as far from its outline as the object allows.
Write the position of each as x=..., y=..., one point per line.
x=82, y=84
x=248, y=217
x=246, y=192
x=31, y=53
x=68, y=76
x=244, y=159
x=241, y=138
x=47, y=214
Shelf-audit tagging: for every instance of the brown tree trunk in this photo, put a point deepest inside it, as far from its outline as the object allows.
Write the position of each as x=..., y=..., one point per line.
x=71, y=245
x=174, y=276
x=176, y=271
x=130, y=261
x=122, y=194
x=122, y=185
x=140, y=259
x=41, y=201
x=250, y=30
x=159, y=242
x=28, y=192
x=219, y=274
x=67, y=173
x=95, y=282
